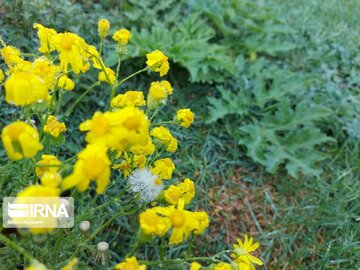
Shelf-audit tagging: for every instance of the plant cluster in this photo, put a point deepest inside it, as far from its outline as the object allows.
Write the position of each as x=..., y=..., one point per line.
x=125, y=146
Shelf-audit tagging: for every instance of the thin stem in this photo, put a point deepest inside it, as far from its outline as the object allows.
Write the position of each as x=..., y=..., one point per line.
x=80, y=98
x=58, y=105
x=118, y=67
x=130, y=76
x=14, y=246
x=101, y=45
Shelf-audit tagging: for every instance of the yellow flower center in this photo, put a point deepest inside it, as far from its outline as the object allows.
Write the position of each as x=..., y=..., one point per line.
x=67, y=42
x=177, y=218
x=94, y=166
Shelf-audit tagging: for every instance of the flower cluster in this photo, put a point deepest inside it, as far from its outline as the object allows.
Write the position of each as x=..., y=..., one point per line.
x=126, y=139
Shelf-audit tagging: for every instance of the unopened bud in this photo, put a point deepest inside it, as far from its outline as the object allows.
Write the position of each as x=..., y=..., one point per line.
x=84, y=226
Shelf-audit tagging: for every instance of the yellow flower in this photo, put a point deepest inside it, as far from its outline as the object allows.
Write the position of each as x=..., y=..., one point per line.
x=93, y=164
x=184, y=190
x=121, y=129
x=164, y=136
x=143, y=149
x=130, y=264
x=223, y=266
x=130, y=98
x=45, y=69
x=163, y=168
x=2, y=76
x=152, y=223
x=195, y=266
x=24, y=88
x=122, y=36
x=11, y=56
x=185, y=117
x=40, y=191
x=158, y=92
x=128, y=163
x=184, y=222
x=158, y=62
x=94, y=56
x=20, y=140
x=54, y=127
x=107, y=76
x=50, y=179
x=242, y=254
x=48, y=163
x=71, y=265
x=45, y=35
x=73, y=52
x=103, y=28
x=66, y=83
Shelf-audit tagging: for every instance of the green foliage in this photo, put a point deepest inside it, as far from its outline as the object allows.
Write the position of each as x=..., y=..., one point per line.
x=277, y=127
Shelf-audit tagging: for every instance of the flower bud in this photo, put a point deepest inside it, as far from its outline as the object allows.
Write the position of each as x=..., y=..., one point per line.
x=85, y=226
x=103, y=28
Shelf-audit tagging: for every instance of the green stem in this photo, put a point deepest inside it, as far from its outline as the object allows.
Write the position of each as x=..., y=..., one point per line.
x=130, y=76
x=80, y=98
x=14, y=246
x=118, y=67
x=101, y=45
x=58, y=105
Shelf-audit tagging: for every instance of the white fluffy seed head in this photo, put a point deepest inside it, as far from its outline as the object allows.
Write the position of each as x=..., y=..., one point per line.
x=84, y=226
x=102, y=246
x=143, y=181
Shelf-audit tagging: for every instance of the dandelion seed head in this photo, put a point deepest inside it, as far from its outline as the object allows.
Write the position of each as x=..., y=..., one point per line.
x=144, y=182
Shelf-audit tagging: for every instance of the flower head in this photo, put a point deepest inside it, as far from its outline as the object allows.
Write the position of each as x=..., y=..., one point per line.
x=185, y=117
x=163, y=168
x=183, y=222
x=120, y=130
x=11, y=56
x=158, y=62
x=184, y=190
x=242, y=254
x=54, y=127
x=73, y=52
x=24, y=88
x=158, y=93
x=93, y=165
x=122, y=36
x=144, y=182
x=103, y=28
x=46, y=38
x=130, y=98
x=48, y=163
x=107, y=75
x=130, y=264
x=66, y=83
x=163, y=135
x=151, y=223
x=21, y=140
